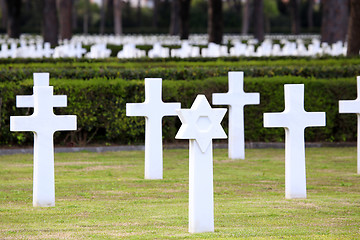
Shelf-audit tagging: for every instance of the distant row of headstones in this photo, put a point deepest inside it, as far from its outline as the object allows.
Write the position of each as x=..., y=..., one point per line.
x=200, y=124
x=99, y=50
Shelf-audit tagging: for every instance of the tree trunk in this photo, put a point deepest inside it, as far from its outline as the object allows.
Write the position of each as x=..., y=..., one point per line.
x=65, y=20
x=138, y=13
x=156, y=14
x=184, y=12
x=174, y=23
x=86, y=17
x=102, y=17
x=13, y=18
x=335, y=18
x=215, y=21
x=295, y=16
x=118, y=17
x=74, y=17
x=3, y=13
x=259, y=20
x=310, y=14
x=245, y=17
x=50, y=22
x=354, y=29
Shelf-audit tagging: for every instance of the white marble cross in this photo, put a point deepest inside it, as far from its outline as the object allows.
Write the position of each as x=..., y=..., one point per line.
x=353, y=106
x=294, y=119
x=47, y=51
x=78, y=51
x=43, y=122
x=201, y=124
x=236, y=98
x=153, y=109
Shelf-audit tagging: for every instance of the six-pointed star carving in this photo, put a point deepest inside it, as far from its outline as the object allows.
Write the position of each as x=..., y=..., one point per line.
x=201, y=122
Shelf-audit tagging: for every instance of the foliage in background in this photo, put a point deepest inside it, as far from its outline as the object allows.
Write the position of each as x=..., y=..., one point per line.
x=137, y=20
x=178, y=69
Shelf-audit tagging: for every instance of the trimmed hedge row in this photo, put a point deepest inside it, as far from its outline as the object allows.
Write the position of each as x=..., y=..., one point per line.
x=100, y=107
x=271, y=59
x=178, y=70
x=174, y=73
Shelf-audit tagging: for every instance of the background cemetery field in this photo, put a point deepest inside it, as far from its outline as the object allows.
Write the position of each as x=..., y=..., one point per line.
x=104, y=196
x=98, y=91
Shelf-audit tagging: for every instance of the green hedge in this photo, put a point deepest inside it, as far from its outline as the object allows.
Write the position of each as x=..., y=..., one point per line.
x=273, y=60
x=100, y=107
x=189, y=73
x=19, y=70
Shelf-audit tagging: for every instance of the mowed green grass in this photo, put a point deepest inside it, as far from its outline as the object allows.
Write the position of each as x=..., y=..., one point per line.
x=105, y=196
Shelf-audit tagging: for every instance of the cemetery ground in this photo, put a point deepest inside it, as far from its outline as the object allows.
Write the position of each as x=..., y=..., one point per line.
x=105, y=196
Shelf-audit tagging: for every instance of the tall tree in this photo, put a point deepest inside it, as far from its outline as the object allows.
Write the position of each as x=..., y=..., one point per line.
x=65, y=18
x=184, y=12
x=335, y=18
x=102, y=16
x=155, y=19
x=295, y=16
x=259, y=20
x=138, y=12
x=13, y=18
x=245, y=17
x=74, y=16
x=310, y=14
x=174, y=21
x=50, y=25
x=86, y=17
x=215, y=21
x=3, y=13
x=354, y=29
x=118, y=17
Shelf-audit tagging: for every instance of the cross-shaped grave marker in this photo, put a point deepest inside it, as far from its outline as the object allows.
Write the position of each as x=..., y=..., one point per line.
x=44, y=123
x=294, y=119
x=236, y=98
x=153, y=109
x=47, y=51
x=78, y=51
x=4, y=53
x=201, y=124
x=353, y=106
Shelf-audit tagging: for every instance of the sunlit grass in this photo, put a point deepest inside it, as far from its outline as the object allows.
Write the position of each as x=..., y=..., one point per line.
x=104, y=196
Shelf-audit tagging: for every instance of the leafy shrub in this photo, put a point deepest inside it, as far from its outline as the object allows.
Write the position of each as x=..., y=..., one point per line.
x=100, y=107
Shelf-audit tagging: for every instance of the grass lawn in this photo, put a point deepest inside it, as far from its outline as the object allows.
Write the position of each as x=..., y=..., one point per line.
x=104, y=196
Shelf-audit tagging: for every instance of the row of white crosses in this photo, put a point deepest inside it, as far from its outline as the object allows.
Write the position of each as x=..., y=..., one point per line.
x=201, y=124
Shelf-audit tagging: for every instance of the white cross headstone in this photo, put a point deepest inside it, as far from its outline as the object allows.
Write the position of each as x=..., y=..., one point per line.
x=43, y=122
x=236, y=98
x=153, y=109
x=130, y=51
x=294, y=119
x=158, y=51
x=4, y=53
x=201, y=124
x=353, y=106
x=78, y=51
x=47, y=51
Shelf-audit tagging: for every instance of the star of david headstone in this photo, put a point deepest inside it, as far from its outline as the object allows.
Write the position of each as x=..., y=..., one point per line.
x=201, y=124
